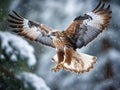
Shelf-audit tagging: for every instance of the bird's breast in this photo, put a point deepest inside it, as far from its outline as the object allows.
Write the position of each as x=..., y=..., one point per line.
x=59, y=43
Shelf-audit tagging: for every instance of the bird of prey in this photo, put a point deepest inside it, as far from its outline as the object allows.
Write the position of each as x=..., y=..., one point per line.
x=79, y=33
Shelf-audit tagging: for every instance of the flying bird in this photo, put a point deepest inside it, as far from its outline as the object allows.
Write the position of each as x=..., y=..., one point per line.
x=83, y=29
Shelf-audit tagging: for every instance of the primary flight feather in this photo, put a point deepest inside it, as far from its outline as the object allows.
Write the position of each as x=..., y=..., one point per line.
x=79, y=33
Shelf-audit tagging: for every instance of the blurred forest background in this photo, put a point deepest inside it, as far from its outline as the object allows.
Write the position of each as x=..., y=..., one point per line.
x=26, y=65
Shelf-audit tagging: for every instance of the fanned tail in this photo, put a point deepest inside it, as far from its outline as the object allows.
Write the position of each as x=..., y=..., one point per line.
x=80, y=62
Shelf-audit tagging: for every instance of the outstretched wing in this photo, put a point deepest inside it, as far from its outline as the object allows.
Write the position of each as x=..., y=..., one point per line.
x=87, y=27
x=29, y=29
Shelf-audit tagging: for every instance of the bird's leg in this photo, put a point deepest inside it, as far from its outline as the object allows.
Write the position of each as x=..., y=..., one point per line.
x=56, y=67
x=60, y=55
x=68, y=53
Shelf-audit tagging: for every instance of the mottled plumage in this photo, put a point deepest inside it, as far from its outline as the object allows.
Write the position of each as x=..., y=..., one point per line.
x=79, y=33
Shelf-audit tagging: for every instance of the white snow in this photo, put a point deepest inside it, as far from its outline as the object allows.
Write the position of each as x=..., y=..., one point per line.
x=33, y=80
x=16, y=48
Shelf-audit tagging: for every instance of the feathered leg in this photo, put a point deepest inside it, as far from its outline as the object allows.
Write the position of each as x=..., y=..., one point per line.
x=60, y=55
x=68, y=54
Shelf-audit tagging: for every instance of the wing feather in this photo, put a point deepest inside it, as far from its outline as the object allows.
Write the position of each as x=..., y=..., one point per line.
x=29, y=29
x=89, y=26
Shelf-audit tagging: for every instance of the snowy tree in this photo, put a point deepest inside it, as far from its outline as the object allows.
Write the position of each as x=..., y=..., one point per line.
x=17, y=57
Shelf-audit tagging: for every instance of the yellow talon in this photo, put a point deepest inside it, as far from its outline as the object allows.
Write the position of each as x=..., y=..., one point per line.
x=55, y=68
x=58, y=66
x=62, y=64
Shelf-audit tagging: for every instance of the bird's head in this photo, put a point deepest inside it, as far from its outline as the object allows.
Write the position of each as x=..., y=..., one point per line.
x=56, y=34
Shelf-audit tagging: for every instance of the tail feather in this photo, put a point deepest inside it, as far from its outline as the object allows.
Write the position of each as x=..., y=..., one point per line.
x=80, y=62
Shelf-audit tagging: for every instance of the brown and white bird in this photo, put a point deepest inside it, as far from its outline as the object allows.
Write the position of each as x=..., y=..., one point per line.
x=79, y=33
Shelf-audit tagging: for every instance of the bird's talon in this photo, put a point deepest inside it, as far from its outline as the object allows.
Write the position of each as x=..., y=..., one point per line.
x=55, y=68
x=61, y=64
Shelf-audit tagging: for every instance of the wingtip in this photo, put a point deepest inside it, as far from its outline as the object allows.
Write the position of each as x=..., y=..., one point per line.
x=8, y=20
x=102, y=5
x=9, y=15
x=19, y=16
x=15, y=17
x=13, y=11
x=16, y=31
x=108, y=7
x=15, y=26
x=99, y=4
x=11, y=26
